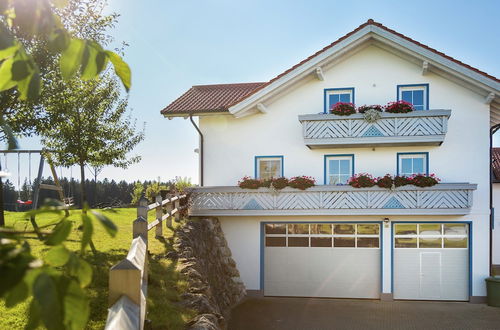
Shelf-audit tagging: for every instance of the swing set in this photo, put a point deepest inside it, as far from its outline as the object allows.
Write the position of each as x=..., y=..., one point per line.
x=36, y=186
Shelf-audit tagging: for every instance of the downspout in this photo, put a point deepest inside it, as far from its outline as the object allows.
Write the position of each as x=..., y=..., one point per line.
x=493, y=130
x=201, y=148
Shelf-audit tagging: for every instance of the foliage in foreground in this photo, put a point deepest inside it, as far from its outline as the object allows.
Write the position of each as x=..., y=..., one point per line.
x=57, y=281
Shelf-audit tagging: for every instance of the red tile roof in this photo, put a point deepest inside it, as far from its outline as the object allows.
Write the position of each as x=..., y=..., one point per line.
x=221, y=97
x=495, y=163
x=210, y=98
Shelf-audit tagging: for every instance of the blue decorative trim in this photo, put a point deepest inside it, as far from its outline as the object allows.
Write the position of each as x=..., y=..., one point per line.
x=262, y=245
x=470, y=248
x=393, y=203
x=372, y=131
x=413, y=153
x=325, y=158
x=325, y=98
x=282, y=164
x=398, y=87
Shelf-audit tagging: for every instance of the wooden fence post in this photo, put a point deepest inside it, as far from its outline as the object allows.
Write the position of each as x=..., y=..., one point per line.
x=177, y=215
x=140, y=225
x=159, y=215
x=169, y=207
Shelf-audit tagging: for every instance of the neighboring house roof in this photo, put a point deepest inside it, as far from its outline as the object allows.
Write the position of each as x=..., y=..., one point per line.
x=258, y=91
x=495, y=164
x=210, y=98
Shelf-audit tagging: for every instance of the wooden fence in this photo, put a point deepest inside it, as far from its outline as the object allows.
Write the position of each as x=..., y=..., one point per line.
x=128, y=279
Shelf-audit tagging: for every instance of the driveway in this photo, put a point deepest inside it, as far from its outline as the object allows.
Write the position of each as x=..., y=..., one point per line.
x=312, y=313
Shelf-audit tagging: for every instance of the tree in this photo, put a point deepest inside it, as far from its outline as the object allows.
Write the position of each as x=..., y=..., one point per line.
x=154, y=190
x=89, y=126
x=137, y=193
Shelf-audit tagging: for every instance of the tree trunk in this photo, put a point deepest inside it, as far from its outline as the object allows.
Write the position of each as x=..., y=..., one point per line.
x=82, y=187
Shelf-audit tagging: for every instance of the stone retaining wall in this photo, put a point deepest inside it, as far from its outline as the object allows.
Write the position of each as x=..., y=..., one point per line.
x=214, y=281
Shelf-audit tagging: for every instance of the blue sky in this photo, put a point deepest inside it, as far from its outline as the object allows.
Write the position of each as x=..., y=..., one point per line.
x=177, y=44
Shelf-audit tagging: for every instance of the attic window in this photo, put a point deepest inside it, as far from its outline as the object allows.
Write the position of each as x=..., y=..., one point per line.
x=335, y=95
x=267, y=167
x=418, y=95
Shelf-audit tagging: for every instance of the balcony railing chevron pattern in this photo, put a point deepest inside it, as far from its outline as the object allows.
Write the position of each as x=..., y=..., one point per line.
x=450, y=198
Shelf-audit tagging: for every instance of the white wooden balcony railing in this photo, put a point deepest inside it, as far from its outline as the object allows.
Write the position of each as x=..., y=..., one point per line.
x=441, y=199
x=427, y=127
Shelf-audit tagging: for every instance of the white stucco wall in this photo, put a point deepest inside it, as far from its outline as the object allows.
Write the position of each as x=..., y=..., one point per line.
x=496, y=230
x=231, y=145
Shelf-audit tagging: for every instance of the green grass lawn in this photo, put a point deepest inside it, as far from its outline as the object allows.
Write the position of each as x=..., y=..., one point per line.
x=164, y=286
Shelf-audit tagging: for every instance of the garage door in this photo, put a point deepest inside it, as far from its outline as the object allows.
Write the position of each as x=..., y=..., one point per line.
x=431, y=261
x=339, y=260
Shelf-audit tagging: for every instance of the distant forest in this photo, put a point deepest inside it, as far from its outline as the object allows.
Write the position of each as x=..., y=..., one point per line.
x=105, y=193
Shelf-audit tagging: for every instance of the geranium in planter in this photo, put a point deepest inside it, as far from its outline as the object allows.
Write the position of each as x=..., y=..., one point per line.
x=364, y=108
x=302, y=182
x=400, y=181
x=266, y=183
x=421, y=180
x=249, y=183
x=362, y=180
x=385, y=182
x=399, y=107
x=280, y=183
x=343, y=109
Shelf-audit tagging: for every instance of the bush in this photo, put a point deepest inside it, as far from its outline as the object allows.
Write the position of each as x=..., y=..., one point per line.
x=302, y=182
x=364, y=108
x=362, y=180
x=249, y=183
x=343, y=109
x=399, y=107
x=280, y=183
x=421, y=180
x=385, y=182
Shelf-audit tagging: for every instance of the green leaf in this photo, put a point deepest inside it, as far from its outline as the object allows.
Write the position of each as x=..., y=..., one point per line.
x=84, y=273
x=101, y=61
x=121, y=68
x=89, y=62
x=107, y=223
x=29, y=88
x=60, y=233
x=9, y=134
x=76, y=307
x=88, y=229
x=9, y=51
x=20, y=70
x=6, y=81
x=46, y=294
x=58, y=41
x=33, y=316
x=57, y=256
x=18, y=294
x=71, y=58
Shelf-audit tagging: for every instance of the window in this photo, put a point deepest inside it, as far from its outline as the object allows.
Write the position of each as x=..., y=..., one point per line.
x=335, y=95
x=413, y=163
x=323, y=235
x=418, y=95
x=338, y=169
x=267, y=167
x=431, y=235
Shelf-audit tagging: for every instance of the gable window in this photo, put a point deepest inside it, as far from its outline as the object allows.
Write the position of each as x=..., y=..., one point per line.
x=335, y=95
x=413, y=163
x=418, y=95
x=338, y=169
x=267, y=167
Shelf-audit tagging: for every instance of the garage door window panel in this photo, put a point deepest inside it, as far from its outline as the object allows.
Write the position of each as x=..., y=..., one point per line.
x=321, y=242
x=431, y=235
x=276, y=241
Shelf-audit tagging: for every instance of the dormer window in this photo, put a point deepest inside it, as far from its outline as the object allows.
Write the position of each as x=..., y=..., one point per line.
x=335, y=95
x=418, y=95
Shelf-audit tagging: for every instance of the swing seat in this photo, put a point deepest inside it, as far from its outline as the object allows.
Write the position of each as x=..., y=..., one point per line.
x=28, y=202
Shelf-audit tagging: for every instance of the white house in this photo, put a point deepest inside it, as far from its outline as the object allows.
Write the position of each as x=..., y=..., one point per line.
x=495, y=160
x=334, y=240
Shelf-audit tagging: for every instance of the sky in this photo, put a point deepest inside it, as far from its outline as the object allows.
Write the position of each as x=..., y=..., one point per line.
x=176, y=44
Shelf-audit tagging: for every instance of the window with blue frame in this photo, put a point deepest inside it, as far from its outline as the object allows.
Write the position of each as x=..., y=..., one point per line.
x=418, y=95
x=336, y=95
x=267, y=167
x=338, y=169
x=413, y=163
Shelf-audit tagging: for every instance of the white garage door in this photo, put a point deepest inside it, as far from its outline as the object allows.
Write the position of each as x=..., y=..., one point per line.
x=431, y=261
x=322, y=260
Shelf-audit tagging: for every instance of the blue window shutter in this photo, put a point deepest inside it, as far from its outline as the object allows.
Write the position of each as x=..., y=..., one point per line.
x=407, y=96
x=418, y=165
x=345, y=98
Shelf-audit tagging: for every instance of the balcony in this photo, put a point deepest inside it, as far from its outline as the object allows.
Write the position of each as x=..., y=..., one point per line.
x=441, y=199
x=418, y=128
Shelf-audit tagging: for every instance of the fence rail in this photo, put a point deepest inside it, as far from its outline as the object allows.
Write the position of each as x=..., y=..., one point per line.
x=128, y=279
